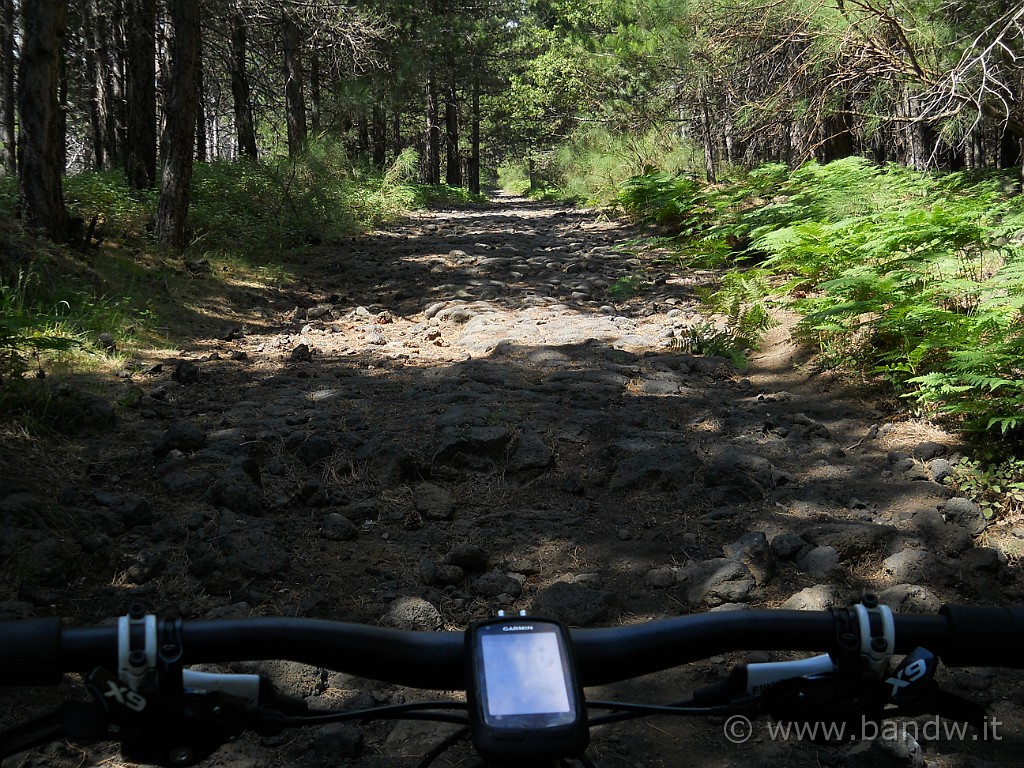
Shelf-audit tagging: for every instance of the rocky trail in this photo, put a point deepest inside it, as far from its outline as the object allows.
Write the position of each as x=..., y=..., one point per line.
x=495, y=408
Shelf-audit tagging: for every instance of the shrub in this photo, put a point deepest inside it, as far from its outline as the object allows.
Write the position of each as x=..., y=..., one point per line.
x=917, y=278
x=24, y=333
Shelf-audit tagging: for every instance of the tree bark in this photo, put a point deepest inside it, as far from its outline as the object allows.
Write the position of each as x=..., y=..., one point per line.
x=61, y=143
x=179, y=133
x=140, y=149
x=379, y=129
x=396, y=132
x=295, y=101
x=7, y=68
x=244, y=124
x=39, y=181
x=453, y=161
x=202, y=147
x=315, y=95
x=94, y=85
x=114, y=54
x=433, y=159
x=474, y=155
x=709, y=146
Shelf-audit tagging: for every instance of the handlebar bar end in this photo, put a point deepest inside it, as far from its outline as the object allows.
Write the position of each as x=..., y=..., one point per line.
x=30, y=652
x=983, y=636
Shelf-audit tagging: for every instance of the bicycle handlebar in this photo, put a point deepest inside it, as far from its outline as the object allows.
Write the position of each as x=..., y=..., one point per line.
x=39, y=651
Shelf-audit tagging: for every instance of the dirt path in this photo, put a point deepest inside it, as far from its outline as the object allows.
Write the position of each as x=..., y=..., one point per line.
x=488, y=409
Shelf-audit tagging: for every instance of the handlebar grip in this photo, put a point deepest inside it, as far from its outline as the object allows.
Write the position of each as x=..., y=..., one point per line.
x=30, y=652
x=983, y=636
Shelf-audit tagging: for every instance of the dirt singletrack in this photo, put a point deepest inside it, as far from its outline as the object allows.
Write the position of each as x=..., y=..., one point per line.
x=489, y=408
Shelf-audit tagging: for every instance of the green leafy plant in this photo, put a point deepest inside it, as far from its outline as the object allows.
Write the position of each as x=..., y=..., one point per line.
x=25, y=334
x=625, y=287
x=706, y=338
x=676, y=202
x=21, y=343
x=743, y=297
x=915, y=278
x=997, y=488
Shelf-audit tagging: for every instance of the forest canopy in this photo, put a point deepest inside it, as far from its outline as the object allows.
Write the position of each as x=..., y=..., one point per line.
x=152, y=86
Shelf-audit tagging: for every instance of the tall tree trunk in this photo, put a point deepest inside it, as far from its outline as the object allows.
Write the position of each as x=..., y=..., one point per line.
x=164, y=38
x=363, y=148
x=921, y=137
x=7, y=68
x=94, y=85
x=474, y=155
x=453, y=164
x=140, y=149
x=219, y=151
x=379, y=129
x=315, y=95
x=202, y=148
x=179, y=133
x=244, y=125
x=396, y=132
x=61, y=143
x=111, y=34
x=40, y=156
x=433, y=158
x=709, y=145
x=976, y=150
x=1009, y=149
x=295, y=101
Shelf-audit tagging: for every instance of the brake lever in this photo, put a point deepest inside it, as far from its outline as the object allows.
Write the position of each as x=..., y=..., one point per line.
x=155, y=727
x=844, y=705
x=182, y=727
x=914, y=691
x=829, y=709
x=165, y=728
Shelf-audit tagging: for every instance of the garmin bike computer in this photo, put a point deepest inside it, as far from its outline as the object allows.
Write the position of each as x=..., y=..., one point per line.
x=524, y=698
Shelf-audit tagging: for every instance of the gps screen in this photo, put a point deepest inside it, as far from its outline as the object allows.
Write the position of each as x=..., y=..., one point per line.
x=524, y=674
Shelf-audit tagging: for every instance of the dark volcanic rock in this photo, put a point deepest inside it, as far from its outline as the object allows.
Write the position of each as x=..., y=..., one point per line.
x=577, y=605
x=238, y=489
x=74, y=412
x=475, y=448
x=663, y=469
x=186, y=438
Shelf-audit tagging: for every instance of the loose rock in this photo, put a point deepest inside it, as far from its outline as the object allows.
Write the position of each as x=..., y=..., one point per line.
x=412, y=613
x=337, y=527
x=717, y=581
x=577, y=605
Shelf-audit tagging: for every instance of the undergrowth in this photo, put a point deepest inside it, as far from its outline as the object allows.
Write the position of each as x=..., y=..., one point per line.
x=997, y=487
x=246, y=221
x=592, y=164
x=915, y=278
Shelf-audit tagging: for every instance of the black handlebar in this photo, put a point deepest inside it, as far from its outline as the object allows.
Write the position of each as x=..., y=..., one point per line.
x=39, y=651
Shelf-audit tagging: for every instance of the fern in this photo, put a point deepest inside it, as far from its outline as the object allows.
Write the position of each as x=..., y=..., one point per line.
x=917, y=278
x=677, y=202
